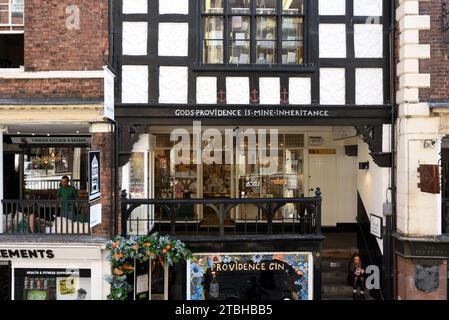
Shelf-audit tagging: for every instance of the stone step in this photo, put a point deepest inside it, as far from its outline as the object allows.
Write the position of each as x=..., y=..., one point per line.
x=334, y=264
x=338, y=253
x=334, y=277
x=338, y=289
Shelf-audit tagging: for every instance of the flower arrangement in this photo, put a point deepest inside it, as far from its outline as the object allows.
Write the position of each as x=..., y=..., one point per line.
x=124, y=251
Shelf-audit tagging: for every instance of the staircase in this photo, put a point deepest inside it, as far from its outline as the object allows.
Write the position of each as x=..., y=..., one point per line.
x=338, y=249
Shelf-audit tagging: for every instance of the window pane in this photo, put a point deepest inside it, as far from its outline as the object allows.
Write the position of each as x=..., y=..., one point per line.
x=213, y=40
x=213, y=28
x=266, y=40
x=239, y=36
x=213, y=51
x=292, y=52
x=292, y=29
x=266, y=28
x=292, y=6
x=213, y=6
x=239, y=6
x=266, y=6
x=239, y=52
x=4, y=16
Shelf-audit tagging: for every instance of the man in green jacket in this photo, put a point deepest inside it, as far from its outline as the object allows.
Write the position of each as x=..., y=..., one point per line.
x=67, y=192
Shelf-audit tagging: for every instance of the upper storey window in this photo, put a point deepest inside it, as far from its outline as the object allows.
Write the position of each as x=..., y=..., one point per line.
x=11, y=13
x=263, y=32
x=11, y=34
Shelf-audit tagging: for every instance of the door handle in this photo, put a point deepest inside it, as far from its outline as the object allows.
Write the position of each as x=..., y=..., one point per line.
x=312, y=189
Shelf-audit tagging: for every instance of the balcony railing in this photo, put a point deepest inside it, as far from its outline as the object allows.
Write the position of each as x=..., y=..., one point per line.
x=46, y=217
x=445, y=215
x=181, y=216
x=40, y=184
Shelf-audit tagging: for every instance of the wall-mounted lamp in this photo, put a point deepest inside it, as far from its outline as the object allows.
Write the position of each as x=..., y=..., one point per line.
x=363, y=165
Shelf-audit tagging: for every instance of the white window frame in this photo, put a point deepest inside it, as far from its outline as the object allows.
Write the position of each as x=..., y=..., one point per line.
x=10, y=24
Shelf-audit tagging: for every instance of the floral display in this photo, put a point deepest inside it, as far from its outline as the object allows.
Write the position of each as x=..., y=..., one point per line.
x=123, y=252
x=298, y=270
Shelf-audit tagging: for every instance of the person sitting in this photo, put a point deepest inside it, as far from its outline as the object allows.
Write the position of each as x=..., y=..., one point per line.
x=357, y=276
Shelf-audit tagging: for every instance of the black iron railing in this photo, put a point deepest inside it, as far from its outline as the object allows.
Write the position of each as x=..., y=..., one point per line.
x=445, y=215
x=45, y=217
x=170, y=216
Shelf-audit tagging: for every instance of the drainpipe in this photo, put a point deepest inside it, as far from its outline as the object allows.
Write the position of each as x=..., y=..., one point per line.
x=388, y=256
x=1, y=180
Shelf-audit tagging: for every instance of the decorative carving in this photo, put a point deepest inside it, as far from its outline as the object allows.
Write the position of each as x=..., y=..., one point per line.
x=427, y=279
x=128, y=136
x=372, y=135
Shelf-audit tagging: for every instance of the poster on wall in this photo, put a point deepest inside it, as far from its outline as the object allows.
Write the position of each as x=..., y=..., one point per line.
x=255, y=276
x=52, y=284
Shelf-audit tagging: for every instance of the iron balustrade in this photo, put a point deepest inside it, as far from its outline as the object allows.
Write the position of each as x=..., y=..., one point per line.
x=170, y=218
x=59, y=217
x=445, y=215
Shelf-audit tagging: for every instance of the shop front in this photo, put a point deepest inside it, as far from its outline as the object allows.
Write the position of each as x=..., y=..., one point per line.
x=34, y=167
x=251, y=209
x=53, y=271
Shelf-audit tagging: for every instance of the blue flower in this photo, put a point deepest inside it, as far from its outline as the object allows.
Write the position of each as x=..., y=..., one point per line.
x=196, y=271
x=226, y=259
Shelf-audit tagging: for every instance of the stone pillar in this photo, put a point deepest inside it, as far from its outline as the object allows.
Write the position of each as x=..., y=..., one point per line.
x=102, y=140
x=415, y=126
x=418, y=142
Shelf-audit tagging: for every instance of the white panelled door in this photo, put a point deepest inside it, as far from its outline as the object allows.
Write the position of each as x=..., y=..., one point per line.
x=323, y=174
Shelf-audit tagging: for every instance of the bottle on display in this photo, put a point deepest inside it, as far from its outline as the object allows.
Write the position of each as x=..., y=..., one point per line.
x=214, y=287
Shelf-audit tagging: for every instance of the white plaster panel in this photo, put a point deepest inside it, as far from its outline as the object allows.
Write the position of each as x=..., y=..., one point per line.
x=173, y=39
x=270, y=90
x=368, y=40
x=369, y=8
x=332, y=7
x=206, y=90
x=332, y=40
x=135, y=6
x=134, y=84
x=332, y=86
x=237, y=90
x=135, y=37
x=369, y=86
x=174, y=7
x=300, y=91
x=173, y=84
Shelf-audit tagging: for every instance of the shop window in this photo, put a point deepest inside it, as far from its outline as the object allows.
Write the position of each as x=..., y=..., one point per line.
x=52, y=284
x=246, y=32
x=223, y=180
x=11, y=33
x=43, y=169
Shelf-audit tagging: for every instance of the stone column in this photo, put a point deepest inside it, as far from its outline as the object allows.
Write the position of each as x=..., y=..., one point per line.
x=102, y=140
x=418, y=142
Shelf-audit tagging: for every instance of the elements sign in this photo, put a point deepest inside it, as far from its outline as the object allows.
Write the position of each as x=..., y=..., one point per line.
x=94, y=176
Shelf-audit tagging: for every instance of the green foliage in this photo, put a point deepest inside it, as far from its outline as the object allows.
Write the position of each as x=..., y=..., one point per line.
x=123, y=252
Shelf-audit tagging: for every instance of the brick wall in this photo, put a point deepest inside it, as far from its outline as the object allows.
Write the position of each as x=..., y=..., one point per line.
x=51, y=89
x=102, y=142
x=438, y=65
x=50, y=45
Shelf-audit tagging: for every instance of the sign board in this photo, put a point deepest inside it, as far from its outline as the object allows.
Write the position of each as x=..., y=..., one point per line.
x=234, y=276
x=94, y=176
x=109, y=78
x=376, y=226
x=95, y=215
x=73, y=140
